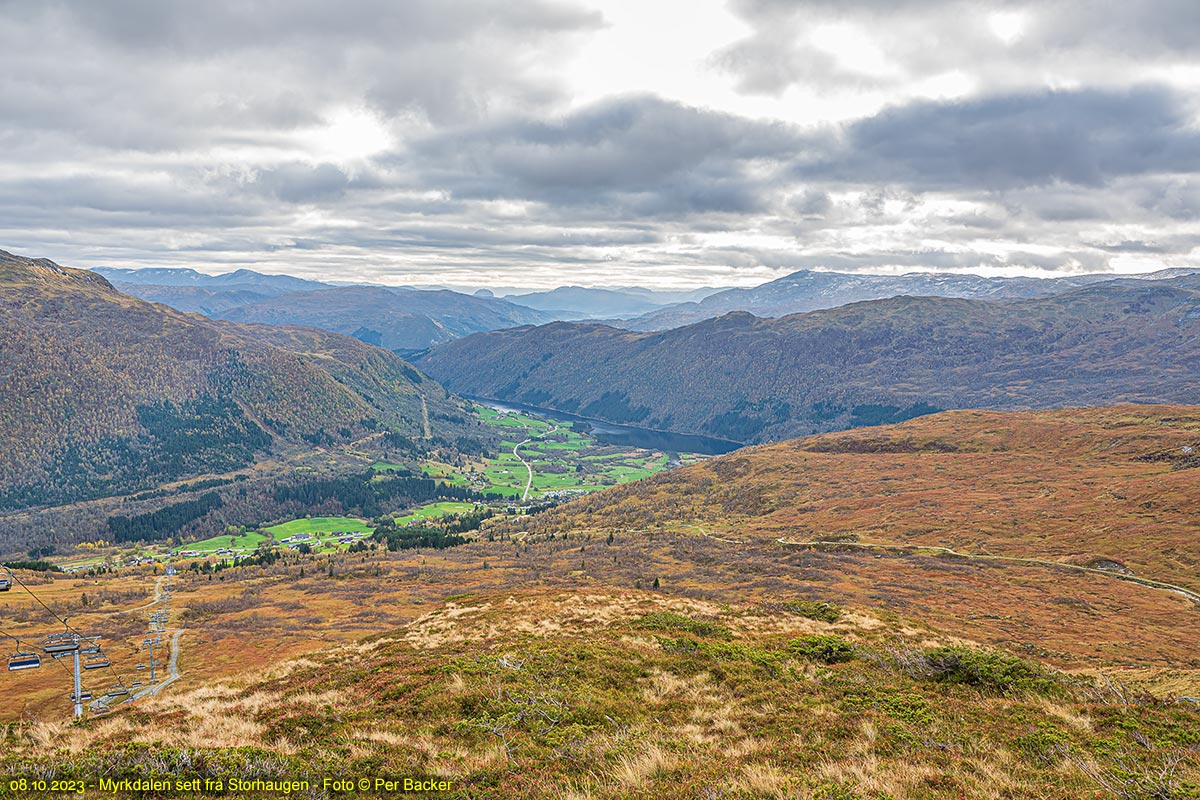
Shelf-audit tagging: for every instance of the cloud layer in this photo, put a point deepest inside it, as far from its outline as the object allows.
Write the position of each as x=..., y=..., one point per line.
x=445, y=142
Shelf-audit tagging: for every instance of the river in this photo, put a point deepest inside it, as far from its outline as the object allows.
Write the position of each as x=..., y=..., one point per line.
x=625, y=435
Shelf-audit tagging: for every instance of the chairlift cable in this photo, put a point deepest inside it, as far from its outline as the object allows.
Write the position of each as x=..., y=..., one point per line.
x=63, y=620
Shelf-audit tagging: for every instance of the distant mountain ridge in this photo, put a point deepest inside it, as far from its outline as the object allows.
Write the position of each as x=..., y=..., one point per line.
x=750, y=379
x=243, y=279
x=812, y=290
x=589, y=302
x=395, y=319
x=102, y=393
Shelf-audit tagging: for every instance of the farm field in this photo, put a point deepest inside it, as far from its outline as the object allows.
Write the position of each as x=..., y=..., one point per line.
x=318, y=525
x=240, y=543
x=435, y=510
x=563, y=457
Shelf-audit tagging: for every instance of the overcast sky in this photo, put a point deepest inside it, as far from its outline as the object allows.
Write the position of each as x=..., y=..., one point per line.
x=601, y=142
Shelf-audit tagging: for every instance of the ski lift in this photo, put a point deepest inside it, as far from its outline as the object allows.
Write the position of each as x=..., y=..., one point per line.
x=135, y=684
x=97, y=661
x=116, y=691
x=142, y=666
x=83, y=698
x=100, y=710
x=61, y=643
x=6, y=579
x=19, y=661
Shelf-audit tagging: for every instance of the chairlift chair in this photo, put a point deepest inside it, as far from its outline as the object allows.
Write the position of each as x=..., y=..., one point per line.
x=61, y=643
x=83, y=698
x=19, y=661
x=97, y=661
x=6, y=579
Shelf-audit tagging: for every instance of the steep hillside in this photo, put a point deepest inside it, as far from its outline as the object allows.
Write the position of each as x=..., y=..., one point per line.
x=1107, y=488
x=102, y=393
x=749, y=379
x=808, y=290
x=396, y=319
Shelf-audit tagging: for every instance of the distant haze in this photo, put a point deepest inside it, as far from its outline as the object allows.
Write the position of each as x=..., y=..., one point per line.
x=602, y=143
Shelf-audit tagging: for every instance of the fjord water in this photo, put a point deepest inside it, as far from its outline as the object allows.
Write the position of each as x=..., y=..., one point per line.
x=626, y=435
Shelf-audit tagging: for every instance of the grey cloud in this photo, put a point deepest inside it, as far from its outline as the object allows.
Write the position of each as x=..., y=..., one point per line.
x=1072, y=39
x=304, y=183
x=642, y=153
x=1083, y=137
x=118, y=126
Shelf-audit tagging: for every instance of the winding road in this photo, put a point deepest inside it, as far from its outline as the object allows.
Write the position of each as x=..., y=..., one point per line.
x=528, y=466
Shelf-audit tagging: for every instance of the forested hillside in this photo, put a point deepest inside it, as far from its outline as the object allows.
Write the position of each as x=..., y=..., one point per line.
x=102, y=393
x=751, y=379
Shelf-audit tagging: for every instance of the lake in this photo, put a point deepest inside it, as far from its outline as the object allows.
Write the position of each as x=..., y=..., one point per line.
x=625, y=435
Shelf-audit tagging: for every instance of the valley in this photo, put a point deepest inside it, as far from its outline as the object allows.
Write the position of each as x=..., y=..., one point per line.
x=668, y=633
x=757, y=380
x=523, y=602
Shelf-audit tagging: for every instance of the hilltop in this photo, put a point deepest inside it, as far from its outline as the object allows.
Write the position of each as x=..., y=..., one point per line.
x=1087, y=495
x=750, y=379
x=103, y=394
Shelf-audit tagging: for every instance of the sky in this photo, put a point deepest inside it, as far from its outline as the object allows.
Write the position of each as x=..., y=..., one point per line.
x=657, y=143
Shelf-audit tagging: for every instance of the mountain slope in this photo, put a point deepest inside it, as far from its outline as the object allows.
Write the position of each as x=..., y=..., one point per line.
x=1110, y=488
x=102, y=393
x=753, y=379
x=809, y=290
x=396, y=319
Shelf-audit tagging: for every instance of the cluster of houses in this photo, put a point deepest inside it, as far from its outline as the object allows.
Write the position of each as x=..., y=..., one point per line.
x=295, y=541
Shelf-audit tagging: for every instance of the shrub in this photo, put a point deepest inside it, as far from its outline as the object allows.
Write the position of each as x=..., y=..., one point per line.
x=826, y=648
x=987, y=669
x=669, y=621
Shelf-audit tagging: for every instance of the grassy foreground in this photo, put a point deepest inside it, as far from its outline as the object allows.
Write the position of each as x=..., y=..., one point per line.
x=633, y=694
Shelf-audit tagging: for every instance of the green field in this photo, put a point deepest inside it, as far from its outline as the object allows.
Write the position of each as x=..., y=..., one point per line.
x=246, y=542
x=318, y=525
x=435, y=510
x=563, y=459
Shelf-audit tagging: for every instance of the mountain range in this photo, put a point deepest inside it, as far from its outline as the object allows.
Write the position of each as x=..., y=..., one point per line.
x=750, y=379
x=811, y=290
x=402, y=320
